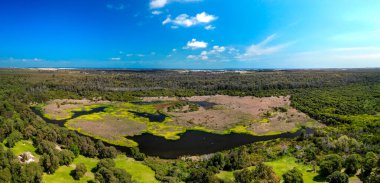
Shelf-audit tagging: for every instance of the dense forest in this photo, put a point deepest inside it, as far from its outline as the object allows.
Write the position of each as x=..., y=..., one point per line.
x=346, y=101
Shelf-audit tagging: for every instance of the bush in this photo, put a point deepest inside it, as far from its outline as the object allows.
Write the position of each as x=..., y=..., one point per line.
x=352, y=164
x=330, y=164
x=243, y=176
x=338, y=177
x=13, y=138
x=265, y=173
x=293, y=176
x=79, y=171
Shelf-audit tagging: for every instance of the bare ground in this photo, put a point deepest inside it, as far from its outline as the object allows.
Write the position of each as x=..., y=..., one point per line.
x=109, y=128
x=246, y=111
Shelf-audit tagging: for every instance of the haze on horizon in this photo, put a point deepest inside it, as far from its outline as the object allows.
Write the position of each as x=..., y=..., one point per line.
x=201, y=34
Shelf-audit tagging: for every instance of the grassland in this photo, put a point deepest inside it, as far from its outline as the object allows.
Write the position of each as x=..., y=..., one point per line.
x=280, y=166
x=25, y=146
x=140, y=173
x=62, y=174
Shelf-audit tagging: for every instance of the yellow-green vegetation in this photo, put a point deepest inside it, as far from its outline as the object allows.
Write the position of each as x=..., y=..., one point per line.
x=226, y=176
x=62, y=174
x=287, y=163
x=140, y=172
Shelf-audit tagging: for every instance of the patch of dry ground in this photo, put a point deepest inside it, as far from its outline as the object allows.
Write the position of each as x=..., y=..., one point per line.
x=108, y=127
x=256, y=114
x=62, y=108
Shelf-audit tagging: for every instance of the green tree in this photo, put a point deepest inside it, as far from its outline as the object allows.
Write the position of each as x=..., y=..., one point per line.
x=338, y=177
x=369, y=163
x=293, y=176
x=66, y=157
x=5, y=175
x=217, y=161
x=330, y=164
x=32, y=173
x=352, y=164
x=79, y=171
x=265, y=173
x=13, y=138
x=74, y=148
x=50, y=163
x=243, y=176
x=136, y=154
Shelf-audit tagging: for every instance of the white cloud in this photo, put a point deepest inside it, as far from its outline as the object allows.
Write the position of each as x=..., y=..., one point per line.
x=185, y=20
x=192, y=57
x=156, y=12
x=219, y=49
x=205, y=18
x=209, y=27
x=156, y=4
x=215, y=54
x=262, y=48
x=194, y=44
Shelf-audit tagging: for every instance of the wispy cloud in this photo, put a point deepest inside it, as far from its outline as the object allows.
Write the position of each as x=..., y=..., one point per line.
x=156, y=12
x=185, y=20
x=263, y=48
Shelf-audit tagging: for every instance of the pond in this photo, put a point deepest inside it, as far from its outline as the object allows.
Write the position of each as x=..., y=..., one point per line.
x=204, y=104
x=152, y=117
x=198, y=142
x=192, y=142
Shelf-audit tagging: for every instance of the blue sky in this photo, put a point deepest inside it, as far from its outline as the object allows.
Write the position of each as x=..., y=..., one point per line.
x=199, y=34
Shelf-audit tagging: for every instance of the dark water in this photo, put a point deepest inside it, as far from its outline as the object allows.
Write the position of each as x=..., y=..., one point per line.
x=152, y=117
x=198, y=143
x=204, y=104
x=76, y=114
x=147, y=103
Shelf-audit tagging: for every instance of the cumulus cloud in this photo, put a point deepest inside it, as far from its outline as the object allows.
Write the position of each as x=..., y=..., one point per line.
x=156, y=4
x=185, y=20
x=262, y=48
x=215, y=53
x=194, y=44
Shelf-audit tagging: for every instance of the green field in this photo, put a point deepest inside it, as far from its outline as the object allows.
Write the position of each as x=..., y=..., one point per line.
x=24, y=146
x=63, y=172
x=140, y=173
x=280, y=166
